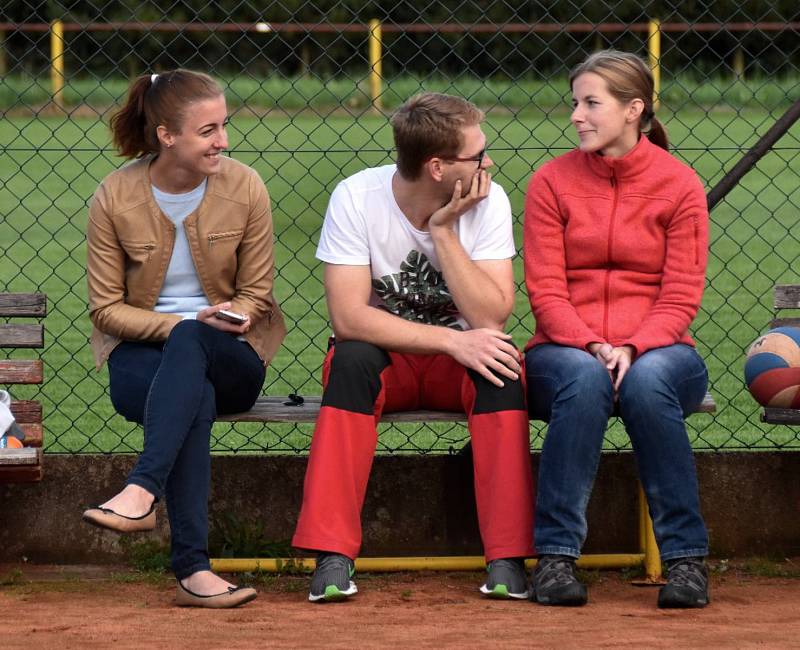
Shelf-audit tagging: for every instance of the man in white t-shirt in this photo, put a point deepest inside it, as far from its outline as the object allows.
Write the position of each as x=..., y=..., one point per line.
x=419, y=284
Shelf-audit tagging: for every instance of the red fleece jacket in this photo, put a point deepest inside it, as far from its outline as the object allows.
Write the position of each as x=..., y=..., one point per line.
x=615, y=249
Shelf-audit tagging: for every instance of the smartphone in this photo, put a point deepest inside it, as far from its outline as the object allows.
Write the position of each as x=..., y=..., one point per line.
x=231, y=316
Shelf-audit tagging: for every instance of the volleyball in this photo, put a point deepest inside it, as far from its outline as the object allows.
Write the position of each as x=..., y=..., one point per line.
x=772, y=369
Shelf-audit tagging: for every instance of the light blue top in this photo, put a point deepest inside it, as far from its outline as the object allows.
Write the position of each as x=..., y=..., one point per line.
x=181, y=292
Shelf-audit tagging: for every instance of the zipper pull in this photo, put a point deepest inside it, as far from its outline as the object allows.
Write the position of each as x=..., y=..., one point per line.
x=613, y=181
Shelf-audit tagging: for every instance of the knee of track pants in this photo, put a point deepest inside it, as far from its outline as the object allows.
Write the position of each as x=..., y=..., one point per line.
x=491, y=399
x=354, y=380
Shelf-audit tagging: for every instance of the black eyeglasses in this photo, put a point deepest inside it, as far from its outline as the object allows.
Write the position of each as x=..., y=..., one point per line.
x=478, y=158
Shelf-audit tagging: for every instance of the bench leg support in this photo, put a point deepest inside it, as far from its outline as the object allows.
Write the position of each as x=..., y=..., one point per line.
x=647, y=543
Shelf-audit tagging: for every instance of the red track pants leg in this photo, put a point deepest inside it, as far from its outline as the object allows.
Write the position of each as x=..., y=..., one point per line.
x=357, y=378
x=498, y=425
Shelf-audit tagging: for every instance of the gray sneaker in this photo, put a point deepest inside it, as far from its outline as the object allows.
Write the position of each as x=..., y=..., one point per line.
x=331, y=580
x=687, y=584
x=554, y=582
x=506, y=579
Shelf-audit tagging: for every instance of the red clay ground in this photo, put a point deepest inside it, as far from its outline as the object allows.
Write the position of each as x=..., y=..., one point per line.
x=102, y=607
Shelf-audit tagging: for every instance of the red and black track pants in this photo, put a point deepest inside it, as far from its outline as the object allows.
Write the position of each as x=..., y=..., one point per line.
x=361, y=381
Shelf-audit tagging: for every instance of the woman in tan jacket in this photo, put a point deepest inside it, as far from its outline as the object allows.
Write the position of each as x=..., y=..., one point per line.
x=180, y=272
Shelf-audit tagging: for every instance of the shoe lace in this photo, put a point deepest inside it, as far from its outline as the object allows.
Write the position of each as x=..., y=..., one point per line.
x=560, y=569
x=686, y=573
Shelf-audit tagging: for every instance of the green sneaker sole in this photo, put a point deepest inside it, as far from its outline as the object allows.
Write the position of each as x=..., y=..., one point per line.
x=333, y=594
x=500, y=592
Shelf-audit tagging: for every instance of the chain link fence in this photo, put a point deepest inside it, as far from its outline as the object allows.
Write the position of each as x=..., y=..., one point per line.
x=310, y=87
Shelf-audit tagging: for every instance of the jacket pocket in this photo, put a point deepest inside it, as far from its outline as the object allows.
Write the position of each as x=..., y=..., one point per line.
x=217, y=237
x=138, y=251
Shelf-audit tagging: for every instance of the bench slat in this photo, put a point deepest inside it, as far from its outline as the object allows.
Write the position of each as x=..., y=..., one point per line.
x=273, y=409
x=784, y=322
x=21, y=336
x=34, y=434
x=24, y=456
x=21, y=371
x=22, y=473
x=23, y=304
x=787, y=296
x=781, y=416
x=708, y=405
x=26, y=411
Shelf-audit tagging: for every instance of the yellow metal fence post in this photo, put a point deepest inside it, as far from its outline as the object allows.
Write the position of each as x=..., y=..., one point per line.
x=57, y=62
x=375, y=63
x=654, y=50
x=738, y=63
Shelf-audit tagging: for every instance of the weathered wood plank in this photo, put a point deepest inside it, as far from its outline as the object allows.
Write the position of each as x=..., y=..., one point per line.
x=784, y=322
x=24, y=456
x=26, y=411
x=16, y=473
x=781, y=416
x=274, y=409
x=21, y=336
x=34, y=434
x=787, y=296
x=21, y=371
x=708, y=405
x=23, y=304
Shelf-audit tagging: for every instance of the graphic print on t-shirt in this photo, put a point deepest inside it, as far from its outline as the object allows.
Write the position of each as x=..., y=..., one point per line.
x=418, y=293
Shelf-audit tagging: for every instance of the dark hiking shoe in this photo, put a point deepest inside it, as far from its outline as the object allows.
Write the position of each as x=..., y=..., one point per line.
x=554, y=582
x=331, y=580
x=506, y=580
x=687, y=584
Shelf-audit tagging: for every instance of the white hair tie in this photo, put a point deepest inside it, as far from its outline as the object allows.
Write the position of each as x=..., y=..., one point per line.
x=153, y=78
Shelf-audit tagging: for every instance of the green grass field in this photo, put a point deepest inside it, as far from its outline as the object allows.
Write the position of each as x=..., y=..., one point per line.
x=49, y=168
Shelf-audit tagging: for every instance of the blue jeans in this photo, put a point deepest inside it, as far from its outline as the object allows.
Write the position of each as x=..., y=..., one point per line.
x=571, y=389
x=175, y=389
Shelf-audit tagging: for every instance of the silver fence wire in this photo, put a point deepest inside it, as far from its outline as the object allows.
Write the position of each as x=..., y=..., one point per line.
x=310, y=87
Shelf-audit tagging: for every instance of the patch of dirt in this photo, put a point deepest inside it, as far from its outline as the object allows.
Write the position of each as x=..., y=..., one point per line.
x=53, y=607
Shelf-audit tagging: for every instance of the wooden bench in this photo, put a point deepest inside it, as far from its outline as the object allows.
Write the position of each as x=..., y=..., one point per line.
x=23, y=465
x=785, y=296
x=280, y=409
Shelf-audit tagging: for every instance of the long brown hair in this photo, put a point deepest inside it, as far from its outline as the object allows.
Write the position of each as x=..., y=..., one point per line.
x=627, y=78
x=158, y=100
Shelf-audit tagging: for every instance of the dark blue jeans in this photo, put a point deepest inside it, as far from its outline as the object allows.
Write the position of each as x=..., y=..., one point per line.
x=175, y=390
x=571, y=389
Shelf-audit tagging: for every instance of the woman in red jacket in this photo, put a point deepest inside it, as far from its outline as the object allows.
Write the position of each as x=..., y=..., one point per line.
x=616, y=240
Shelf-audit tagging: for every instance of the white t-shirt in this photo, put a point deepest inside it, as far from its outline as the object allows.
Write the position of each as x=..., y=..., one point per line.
x=365, y=226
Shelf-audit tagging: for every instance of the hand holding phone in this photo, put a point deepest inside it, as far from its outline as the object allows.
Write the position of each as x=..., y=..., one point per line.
x=220, y=317
x=231, y=316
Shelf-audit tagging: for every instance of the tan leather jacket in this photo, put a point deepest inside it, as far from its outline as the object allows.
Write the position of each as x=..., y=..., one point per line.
x=130, y=241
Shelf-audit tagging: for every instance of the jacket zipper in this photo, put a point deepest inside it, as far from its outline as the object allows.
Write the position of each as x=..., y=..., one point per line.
x=145, y=247
x=696, y=237
x=221, y=235
x=607, y=291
